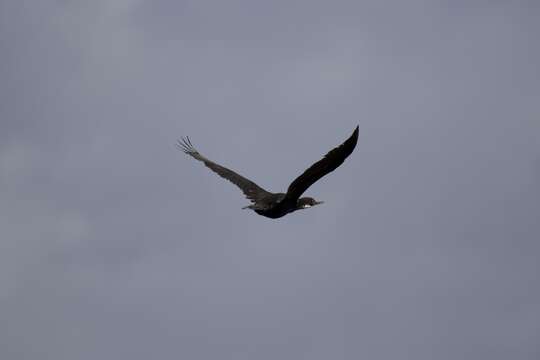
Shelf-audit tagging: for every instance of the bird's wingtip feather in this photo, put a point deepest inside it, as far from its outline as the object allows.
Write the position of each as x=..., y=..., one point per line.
x=184, y=144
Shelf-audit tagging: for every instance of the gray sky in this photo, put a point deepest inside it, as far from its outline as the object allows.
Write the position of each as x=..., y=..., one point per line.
x=117, y=246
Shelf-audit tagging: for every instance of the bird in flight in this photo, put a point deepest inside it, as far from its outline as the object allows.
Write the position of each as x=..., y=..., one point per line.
x=276, y=205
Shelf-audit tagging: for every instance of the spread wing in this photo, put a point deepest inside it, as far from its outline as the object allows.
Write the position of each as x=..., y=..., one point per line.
x=329, y=163
x=252, y=191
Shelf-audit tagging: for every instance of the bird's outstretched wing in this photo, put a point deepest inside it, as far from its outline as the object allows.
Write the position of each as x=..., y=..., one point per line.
x=252, y=191
x=329, y=163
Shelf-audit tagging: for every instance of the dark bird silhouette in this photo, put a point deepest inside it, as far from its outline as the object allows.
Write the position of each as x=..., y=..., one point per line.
x=276, y=205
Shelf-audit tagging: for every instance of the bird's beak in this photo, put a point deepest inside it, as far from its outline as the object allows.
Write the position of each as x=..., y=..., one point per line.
x=319, y=202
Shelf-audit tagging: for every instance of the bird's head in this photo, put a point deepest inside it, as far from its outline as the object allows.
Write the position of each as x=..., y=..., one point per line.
x=307, y=202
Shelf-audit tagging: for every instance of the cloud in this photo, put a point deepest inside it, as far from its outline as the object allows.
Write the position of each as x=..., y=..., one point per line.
x=114, y=244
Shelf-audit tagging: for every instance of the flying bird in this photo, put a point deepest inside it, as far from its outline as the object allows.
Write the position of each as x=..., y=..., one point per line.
x=276, y=205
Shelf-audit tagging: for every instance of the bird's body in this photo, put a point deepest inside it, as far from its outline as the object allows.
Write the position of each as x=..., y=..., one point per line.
x=273, y=206
x=276, y=205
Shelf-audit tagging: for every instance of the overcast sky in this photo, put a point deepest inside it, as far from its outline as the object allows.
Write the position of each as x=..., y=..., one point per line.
x=114, y=245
